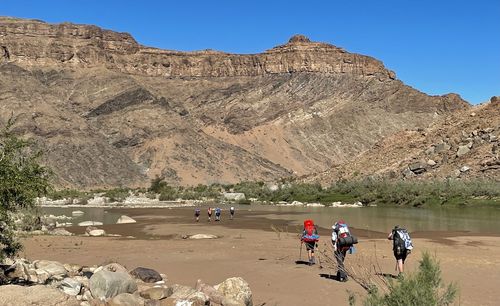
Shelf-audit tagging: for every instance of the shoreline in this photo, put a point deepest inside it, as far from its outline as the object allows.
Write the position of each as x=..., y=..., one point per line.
x=248, y=247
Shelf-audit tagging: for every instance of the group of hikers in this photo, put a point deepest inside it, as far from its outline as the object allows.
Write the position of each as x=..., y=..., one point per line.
x=210, y=211
x=343, y=241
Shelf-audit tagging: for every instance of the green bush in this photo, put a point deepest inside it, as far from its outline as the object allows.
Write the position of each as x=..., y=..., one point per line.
x=424, y=288
x=22, y=179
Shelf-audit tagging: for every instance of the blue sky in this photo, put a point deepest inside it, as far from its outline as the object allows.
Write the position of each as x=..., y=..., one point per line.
x=435, y=46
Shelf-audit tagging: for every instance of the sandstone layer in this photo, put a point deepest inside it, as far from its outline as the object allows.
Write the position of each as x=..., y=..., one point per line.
x=111, y=112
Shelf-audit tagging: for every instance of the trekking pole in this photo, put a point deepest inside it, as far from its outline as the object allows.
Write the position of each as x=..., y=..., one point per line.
x=319, y=258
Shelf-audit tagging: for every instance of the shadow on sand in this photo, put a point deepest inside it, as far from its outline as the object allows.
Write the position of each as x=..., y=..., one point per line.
x=301, y=262
x=329, y=276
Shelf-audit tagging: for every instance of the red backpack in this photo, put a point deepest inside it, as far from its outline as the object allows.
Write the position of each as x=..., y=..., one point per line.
x=310, y=233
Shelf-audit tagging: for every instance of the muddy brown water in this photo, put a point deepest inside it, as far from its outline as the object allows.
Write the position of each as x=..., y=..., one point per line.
x=368, y=222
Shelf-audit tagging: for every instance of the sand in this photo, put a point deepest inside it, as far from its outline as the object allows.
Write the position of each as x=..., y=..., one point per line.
x=269, y=259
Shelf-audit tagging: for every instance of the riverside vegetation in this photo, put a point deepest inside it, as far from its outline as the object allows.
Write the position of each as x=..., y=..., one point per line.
x=450, y=192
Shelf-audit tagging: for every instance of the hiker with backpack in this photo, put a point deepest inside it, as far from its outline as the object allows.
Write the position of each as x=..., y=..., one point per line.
x=342, y=241
x=310, y=238
x=231, y=212
x=217, y=214
x=197, y=214
x=209, y=212
x=401, y=246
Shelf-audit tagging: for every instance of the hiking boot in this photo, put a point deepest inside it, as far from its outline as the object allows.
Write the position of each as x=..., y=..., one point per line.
x=313, y=260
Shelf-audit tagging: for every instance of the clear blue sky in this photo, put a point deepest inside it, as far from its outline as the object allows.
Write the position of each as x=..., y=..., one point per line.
x=436, y=46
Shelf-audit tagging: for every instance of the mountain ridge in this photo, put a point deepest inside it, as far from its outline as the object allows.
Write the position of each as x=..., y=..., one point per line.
x=206, y=117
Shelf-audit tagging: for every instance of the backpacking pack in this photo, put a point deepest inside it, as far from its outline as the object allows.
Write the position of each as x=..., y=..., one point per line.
x=310, y=233
x=402, y=240
x=197, y=211
x=217, y=211
x=345, y=239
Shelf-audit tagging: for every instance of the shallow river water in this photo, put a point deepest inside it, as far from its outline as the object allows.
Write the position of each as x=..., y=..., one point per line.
x=382, y=219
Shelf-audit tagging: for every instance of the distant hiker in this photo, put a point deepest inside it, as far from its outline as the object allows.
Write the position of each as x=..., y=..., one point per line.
x=197, y=214
x=342, y=241
x=401, y=245
x=217, y=214
x=231, y=212
x=209, y=212
x=310, y=237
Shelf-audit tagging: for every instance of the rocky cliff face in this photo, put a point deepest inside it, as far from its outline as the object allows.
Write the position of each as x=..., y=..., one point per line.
x=112, y=112
x=89, y=46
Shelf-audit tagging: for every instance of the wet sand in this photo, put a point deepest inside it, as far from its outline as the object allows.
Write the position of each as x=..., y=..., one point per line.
x=265, y=253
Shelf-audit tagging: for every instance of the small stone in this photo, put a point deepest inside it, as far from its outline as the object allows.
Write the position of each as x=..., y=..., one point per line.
x=146, y=275
x=462, y=150
x=70, y=286
x=203, y=236
x=431, y=162
x=464, y=169
x=156, y=293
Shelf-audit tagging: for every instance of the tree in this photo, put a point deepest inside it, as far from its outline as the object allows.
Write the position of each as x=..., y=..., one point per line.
x=22, y=179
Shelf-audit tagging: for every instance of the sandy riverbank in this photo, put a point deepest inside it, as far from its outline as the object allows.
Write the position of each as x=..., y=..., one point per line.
x=251, y=249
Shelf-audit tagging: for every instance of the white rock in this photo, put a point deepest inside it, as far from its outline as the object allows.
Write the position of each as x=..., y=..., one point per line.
x=464, y=169
x=97, y=200
x=97, y=233
x=77, y=213
x=315, y=205
x=70, y=286
x=125, y=219
x=203, y=236
x=89, y=223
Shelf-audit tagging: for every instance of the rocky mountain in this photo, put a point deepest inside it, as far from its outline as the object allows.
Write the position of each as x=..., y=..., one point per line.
x=464, y=144
x=111, y=112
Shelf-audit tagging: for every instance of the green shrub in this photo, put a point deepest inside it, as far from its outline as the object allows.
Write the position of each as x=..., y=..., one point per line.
x=22, y=179
x=425, y=288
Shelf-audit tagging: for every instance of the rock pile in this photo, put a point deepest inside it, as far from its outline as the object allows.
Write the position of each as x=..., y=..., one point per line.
x=44, y=282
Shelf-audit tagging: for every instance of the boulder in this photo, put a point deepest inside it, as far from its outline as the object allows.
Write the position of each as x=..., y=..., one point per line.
x=213, y=294
x=73, y=268
x=203, y=236
x=417, y=167
x=76, y=213
x=125, y=219
x=234, y=196
x=106, y=284
x=18, y=270
x=60, y=232
x=156, y=293
x=113, y=267
x=71, y=286
x=442, y=147
x=184, y=295
x=53, y=269
x=126, y=299
x=90, y=223
x=237, y=289
x=146, y=275
x=431, y=163
x=12, y=295
x=462, y=150
x=96, y=233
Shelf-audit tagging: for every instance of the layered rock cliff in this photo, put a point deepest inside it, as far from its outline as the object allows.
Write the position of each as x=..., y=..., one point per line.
x=112, y=112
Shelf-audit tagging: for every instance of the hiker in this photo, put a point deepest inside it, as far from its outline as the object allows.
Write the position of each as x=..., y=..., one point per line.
x=209, y=214
x=231, y=212
x=197, y=214
x=401, y=246
x=310, y=238
x=342, y=241
x=217, y=214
